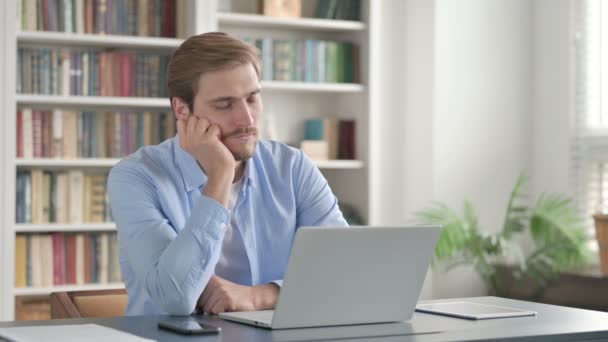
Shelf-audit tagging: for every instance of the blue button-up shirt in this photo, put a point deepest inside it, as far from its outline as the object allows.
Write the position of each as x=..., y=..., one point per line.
x=170, y=234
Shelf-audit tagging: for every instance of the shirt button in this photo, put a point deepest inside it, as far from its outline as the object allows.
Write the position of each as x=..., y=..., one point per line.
x=203, y=261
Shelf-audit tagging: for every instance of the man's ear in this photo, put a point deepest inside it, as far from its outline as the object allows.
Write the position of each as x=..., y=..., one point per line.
x=180, y=108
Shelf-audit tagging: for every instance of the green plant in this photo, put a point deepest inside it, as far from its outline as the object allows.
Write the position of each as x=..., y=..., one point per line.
x=553, y=223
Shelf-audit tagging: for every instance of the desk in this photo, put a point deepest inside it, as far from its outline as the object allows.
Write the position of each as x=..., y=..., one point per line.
x=553, y=323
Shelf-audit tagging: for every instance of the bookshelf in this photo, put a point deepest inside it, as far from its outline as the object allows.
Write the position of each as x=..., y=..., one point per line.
x=106, y=163
x=294, y=101
x=261, y=21
x=96, y=40
x=65, y=227
x=41, y=291
x=91, y=102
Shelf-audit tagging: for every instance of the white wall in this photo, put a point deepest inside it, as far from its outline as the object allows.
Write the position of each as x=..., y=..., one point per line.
x=387, y=123
x=482, y=118
x=401, y=99
x=455, y=103
x=552, y=96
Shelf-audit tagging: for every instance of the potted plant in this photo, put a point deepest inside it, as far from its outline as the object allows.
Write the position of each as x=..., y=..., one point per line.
x=552, y=222
x=601, y=235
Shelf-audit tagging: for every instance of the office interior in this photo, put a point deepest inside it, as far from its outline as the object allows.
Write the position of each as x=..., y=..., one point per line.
x=456, y=100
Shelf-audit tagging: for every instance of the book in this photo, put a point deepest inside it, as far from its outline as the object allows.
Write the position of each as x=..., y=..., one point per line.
x=326, y=130
x=346, y=139
x=315, y=149
x=58, y=259
x=20, y=261
x=281, y=8
x=76, y=196
x=80, y=259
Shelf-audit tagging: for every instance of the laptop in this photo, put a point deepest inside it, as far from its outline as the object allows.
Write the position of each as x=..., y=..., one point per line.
x=355, y=275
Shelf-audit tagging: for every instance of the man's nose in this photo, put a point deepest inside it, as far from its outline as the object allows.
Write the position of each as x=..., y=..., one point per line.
x=244, y=115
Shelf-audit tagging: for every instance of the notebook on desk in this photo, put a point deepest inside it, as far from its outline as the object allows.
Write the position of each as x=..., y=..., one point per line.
x=357, y=275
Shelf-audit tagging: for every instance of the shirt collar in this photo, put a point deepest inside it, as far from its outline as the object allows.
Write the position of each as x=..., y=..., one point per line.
x=194, y=177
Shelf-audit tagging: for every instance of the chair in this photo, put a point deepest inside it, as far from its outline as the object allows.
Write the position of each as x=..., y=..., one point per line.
x=82, y=304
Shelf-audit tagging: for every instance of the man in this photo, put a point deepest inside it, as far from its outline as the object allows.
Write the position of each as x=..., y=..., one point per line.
x=206, y=219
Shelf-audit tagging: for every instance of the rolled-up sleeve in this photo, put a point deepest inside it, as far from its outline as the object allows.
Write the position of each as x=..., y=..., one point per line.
x=173, y=267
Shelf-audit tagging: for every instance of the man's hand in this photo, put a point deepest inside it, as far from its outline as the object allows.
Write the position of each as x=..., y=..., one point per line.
x=221, y=295
x=202, y=140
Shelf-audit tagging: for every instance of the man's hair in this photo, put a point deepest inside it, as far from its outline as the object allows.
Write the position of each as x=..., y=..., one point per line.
x=204, y=53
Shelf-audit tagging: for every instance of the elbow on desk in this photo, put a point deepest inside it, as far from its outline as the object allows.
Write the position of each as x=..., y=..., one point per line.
x=180, y=305
x=172, y=300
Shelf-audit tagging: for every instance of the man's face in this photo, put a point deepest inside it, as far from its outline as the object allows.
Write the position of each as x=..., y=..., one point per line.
x=231, y=99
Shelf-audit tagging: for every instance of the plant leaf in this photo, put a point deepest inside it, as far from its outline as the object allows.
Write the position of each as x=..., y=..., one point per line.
x=455, y=231
x=516, y=216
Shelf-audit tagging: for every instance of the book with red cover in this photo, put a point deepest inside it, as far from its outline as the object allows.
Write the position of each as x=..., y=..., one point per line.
x=71, y=258
x=346, y=139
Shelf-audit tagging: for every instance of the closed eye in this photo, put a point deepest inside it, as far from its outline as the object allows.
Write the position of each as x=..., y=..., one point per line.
x=223, y=105
x=253, y=98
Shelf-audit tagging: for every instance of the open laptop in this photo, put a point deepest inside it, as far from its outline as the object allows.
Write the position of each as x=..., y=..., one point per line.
x=356, y=275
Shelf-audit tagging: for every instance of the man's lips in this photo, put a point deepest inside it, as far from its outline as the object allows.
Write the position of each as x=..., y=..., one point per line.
x=241, y=136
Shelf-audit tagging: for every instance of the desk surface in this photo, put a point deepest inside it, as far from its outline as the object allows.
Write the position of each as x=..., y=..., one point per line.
x=553, y=323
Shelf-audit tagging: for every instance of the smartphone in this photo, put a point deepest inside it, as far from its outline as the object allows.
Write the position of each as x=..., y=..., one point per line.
x=189, y=327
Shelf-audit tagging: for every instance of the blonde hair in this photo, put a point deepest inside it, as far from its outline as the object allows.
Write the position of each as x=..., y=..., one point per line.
x=204, y=53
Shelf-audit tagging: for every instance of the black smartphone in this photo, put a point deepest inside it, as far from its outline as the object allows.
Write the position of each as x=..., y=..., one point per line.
x=189, y=327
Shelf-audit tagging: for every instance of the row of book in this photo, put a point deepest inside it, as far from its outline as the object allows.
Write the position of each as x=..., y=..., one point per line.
x=329, y=138
x=308, y=60
x=61, y=197
x=44, y=260
x=89, y=134
x=338, y=9
x=123, y=17
x=92, y=72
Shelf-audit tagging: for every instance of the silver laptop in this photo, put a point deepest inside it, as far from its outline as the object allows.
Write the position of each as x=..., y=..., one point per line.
x=356, y=275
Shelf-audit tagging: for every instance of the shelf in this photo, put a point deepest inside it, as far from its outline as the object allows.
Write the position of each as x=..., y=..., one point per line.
x=313, y=87
x=339, y=164
x=64, y=227
x=94, y=101
x=97, y=40
x=39, y=291
x=50, y=163
x=163, y=103
x=67, y=163
x=258, y=20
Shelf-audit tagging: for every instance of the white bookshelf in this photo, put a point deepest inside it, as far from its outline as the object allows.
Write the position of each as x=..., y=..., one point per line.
x=49, y=163
x=339, y=164
x=291, y=103
x=67, y=227
x=261, y=21
x=92, y=101
x=40, y=291
x=96, y=40
x=67, y=163
x=312, y=87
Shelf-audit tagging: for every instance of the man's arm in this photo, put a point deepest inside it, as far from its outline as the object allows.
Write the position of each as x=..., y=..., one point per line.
x=221, y=295
x=174, y=268
x=316, y=204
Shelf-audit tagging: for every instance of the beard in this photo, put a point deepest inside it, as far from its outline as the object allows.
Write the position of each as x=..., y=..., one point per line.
x=242, y=152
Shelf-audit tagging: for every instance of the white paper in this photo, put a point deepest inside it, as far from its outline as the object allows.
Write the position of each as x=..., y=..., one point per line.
x=68, y=333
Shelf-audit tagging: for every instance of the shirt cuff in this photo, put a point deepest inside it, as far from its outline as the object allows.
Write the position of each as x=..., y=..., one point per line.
x=211, y=215
x=279, y=283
